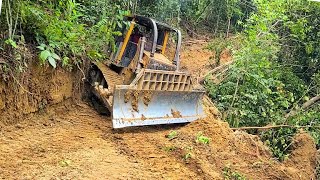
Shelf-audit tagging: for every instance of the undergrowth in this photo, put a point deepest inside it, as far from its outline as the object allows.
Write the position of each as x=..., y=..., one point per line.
x=65, y=31
x=279, y=141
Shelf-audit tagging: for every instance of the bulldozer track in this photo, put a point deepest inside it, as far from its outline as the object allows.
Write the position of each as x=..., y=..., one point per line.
x=111, y=77
x=104, y=82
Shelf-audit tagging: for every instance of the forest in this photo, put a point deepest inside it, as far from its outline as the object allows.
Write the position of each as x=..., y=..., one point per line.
x=270, y=88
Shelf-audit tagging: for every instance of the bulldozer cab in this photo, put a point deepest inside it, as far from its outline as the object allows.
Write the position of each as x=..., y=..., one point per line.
x=146, y=41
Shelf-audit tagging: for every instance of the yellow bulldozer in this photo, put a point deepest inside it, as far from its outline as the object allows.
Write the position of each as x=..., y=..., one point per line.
x=139, y=84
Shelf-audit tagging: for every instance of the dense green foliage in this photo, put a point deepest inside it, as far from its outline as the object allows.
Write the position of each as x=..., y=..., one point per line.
x=215, y=16
x=274, y=72
x=65, y=31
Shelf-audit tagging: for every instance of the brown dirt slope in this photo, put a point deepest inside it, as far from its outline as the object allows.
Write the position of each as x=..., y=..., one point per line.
x=198, y=60
x=195, y=58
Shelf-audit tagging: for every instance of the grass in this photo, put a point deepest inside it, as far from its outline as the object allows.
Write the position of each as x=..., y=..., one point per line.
x=172, y=135
x=187, y=156
x=200, y=138
x=228, y=174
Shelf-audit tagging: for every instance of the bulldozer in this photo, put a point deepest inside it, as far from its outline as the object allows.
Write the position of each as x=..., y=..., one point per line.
x=139, y=84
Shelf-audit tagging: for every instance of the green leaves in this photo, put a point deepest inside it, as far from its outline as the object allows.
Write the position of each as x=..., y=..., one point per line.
x=67, y=30
x=11, y=42
x=172, y=135
x=276, y=68
x=47, y=53
x=52, y=62
x=200, y=138
x=44, y=55
x=55, y=56
x=42, y=47
x=229, y=174
x=279, y=141
x=65, y=162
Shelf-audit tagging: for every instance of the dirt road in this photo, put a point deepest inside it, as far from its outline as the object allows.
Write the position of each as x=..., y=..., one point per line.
x=71, y=141
x=74, y=142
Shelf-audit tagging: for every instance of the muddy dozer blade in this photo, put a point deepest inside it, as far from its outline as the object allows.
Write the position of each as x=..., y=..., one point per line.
x=149, y=107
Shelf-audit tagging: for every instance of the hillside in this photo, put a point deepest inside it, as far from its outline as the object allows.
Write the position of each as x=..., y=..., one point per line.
x=48, y=132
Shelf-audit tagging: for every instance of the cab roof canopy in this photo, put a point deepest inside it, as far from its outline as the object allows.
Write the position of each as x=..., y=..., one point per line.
x=148, y=22
x=156, y=26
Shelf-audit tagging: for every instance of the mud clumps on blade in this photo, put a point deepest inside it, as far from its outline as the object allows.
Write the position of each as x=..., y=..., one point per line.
x=134, y=102
x=135, y=99
x=147, y=97
x=127, y=96
x=176, y=114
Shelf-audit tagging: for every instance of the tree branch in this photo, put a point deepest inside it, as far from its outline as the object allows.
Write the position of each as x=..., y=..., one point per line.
x=305, y=105
x=310, y=102
x=215, y=70
x=235, y=93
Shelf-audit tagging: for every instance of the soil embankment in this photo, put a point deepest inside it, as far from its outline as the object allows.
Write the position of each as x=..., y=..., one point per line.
x=34, y=90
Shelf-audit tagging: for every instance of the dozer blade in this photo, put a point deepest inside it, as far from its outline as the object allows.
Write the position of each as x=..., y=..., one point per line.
x=133, y=107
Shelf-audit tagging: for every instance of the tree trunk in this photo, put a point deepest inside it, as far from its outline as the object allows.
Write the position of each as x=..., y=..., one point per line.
x=0, y=6
x=228, y=29
x=217, y=25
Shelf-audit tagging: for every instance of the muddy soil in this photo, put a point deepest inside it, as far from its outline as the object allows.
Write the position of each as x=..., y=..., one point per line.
x=72, y=141
x=68, y=139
